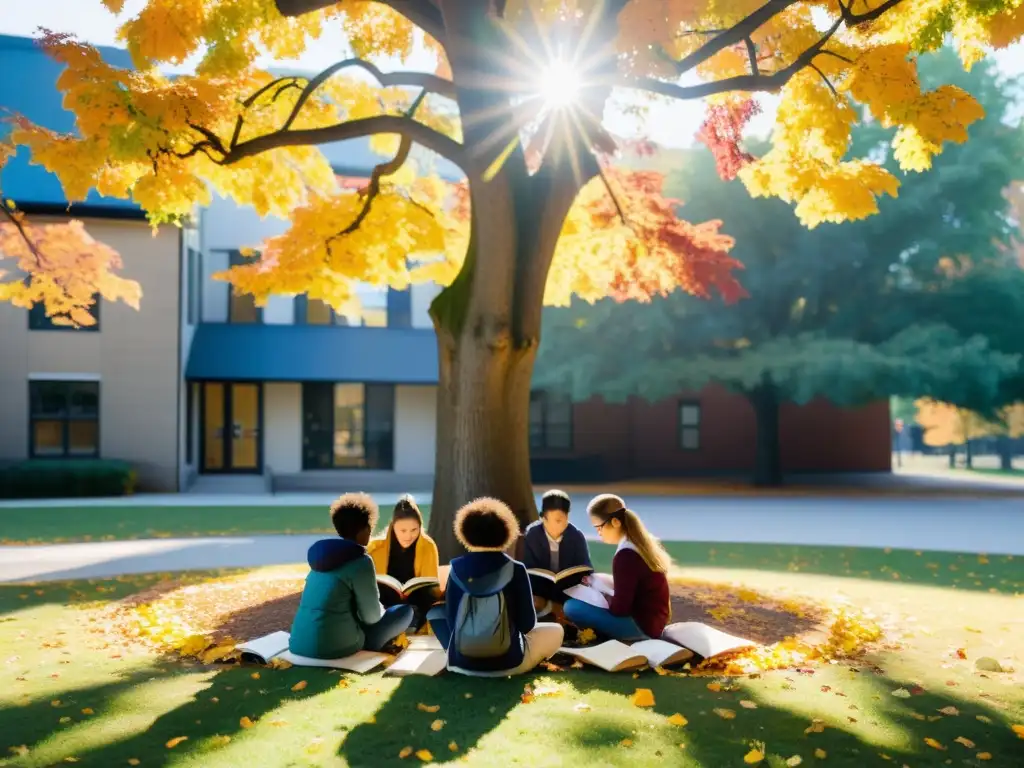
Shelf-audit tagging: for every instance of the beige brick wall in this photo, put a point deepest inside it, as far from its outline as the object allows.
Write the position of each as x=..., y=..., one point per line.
x=135, y=354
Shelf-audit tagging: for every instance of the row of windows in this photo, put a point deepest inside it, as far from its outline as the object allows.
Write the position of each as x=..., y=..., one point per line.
x=343, y=425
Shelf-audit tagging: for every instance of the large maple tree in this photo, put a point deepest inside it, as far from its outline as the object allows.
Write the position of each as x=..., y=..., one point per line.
x=542, y=214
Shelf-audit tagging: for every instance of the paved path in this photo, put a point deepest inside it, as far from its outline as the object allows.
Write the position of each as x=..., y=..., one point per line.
x=995, y=526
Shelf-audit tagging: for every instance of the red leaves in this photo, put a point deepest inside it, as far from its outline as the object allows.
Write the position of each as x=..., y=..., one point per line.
x=722, y=132
x=666, y=252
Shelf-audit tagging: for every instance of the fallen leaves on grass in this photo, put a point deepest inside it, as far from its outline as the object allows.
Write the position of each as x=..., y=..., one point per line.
x=134, y=761
x=404, y=752
x=966, y=742
x=644, y=697
x=817, y=726
x=725, y=714
x=1018, y=729
x=428, y=707
x=87, y=711
x=21, y=750
x=794, y=761
x=175, y=741
x=245, y=722
x=934, y=744
x=748, y=704
x=755, y=755
x=585, y=636
x=678, y=719
x=901, y=693
x=950, y=710
x=299, y=685
x=820, y=753
x=424, y=755
x=626, y=743
x=437, y=725
x=453, y=747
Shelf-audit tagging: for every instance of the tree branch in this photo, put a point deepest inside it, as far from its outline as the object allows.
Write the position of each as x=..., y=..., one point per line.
x=825, y=78
x=16, y=220
x=373, y=188
x=423, y=13
x=422, y=80
x=853, y=19
x=734, y=35
x=744, y=83
x=353, y=129
x=752, y=55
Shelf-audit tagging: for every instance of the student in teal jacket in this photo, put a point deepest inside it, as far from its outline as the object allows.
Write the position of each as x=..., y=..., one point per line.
x=340, y=611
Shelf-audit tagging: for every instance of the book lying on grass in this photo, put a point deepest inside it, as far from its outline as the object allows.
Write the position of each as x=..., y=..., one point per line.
x=424, y=656
x=275, y=646
x=384, y=581
x=703, y=640
x=614, y=656
x=597, y=592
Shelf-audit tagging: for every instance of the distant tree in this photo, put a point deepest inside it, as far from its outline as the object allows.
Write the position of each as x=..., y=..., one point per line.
x=830, y=311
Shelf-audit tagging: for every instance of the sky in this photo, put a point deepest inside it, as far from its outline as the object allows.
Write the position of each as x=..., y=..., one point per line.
x=667, y=124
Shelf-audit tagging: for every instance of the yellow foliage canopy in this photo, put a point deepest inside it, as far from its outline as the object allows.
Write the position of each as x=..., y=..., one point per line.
x=233, y=128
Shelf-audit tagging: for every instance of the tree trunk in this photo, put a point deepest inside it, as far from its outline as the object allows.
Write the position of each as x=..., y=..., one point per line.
x=952, y=455
x=768, y=460
x=1005, y=447
x=968, y=456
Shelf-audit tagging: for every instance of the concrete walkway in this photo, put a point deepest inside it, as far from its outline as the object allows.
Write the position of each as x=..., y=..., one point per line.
x=993, y=526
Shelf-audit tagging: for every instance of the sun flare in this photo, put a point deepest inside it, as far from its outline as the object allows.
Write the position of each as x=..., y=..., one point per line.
x=560, y=84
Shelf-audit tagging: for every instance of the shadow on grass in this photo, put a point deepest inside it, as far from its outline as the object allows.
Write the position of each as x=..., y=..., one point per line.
x=82, y=592
x=1001, y=573
x=470, y=708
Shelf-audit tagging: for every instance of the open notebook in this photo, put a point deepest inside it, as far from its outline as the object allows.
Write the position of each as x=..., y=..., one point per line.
x=424, y=656
x=704, y=640
x=601, y=587
x=275, y=646
x=614, y=656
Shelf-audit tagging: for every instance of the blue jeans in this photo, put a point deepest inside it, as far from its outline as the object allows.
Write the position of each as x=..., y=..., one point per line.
x=587, y=616
x=394, y=622
x=438, y=618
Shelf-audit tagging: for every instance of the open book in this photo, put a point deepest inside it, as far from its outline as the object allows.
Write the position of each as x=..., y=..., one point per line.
x=614, y=656
x=384, y=581
x=547, y=584
x=424, y=656
x=704, y=640
x=601, y=587
x=275, y=646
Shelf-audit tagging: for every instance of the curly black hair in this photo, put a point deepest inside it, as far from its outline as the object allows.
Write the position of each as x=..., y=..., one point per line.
x=353, y=513
x=555, y=499
x=486, y=524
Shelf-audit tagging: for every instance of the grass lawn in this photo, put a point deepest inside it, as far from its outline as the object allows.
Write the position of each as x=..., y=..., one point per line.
x=1000, y=472
x=66, y=694
x=42, y=525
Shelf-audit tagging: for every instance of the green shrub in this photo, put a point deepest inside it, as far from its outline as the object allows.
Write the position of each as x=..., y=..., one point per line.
x=66, y=478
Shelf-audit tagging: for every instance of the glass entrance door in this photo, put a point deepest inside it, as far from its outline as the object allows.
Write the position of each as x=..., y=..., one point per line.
x=231, y=427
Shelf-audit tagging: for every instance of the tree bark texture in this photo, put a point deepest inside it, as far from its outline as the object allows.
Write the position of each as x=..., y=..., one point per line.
x=1005, y=448
x=768, y=459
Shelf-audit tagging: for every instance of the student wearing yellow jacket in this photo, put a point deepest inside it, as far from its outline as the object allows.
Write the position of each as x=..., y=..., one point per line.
x=405, y=552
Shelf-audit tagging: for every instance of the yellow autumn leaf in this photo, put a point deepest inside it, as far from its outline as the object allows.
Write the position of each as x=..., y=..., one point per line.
x=87, y=711
x=933, y=743
x=405, y=752
x=820, y=753
x=817, y=726
x=966, y=742
x=453, y=747
x=299, y=685
x=794, y=761
x=678, y=719
x=437, y=725
x=644, y=697
x=1018, y=729
x=753, y=757
x=221, y=740
x=585, y=636
x=747, y=704
x=134, y=761
x=626, y=743
x=255, y=675
x=424, y=755
x=714, y=687
x=984, y=755
x=70, y=759
x=725, y=714
x=950, y=710
x=984, y=719
x=428, y=707
x=175, y=741
x=245, y=722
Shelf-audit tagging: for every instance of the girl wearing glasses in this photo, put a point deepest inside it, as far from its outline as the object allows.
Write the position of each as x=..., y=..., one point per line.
x=639, y=608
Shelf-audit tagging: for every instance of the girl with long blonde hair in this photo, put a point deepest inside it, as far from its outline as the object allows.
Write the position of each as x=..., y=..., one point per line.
x=639, y=608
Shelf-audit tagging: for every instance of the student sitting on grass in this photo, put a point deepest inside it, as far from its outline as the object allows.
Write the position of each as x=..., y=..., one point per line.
x=488, y=624
x=340, y=611
x=405, y=552
x=640, y=607
x=553, y=543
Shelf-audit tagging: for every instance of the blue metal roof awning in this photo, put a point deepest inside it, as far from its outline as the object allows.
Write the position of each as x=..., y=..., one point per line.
x=263, y=352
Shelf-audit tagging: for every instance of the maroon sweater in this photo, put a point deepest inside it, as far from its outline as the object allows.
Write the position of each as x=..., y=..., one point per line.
x=639, y=592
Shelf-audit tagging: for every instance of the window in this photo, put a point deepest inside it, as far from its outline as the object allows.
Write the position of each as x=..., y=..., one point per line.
x=312, y=311
x=550, y=421
x=399, y=308
x=38, y=321
x=689, y=426
x=190, y=425
x=64, y=418
x=242, y=306
x=195, y=266
x=369, y=310
x=348, y=426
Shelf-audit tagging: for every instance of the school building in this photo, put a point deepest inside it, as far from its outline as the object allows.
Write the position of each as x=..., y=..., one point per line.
x=202, y=390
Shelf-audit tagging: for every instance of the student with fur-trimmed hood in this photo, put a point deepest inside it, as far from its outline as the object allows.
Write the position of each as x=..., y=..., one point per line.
x=488, y=623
